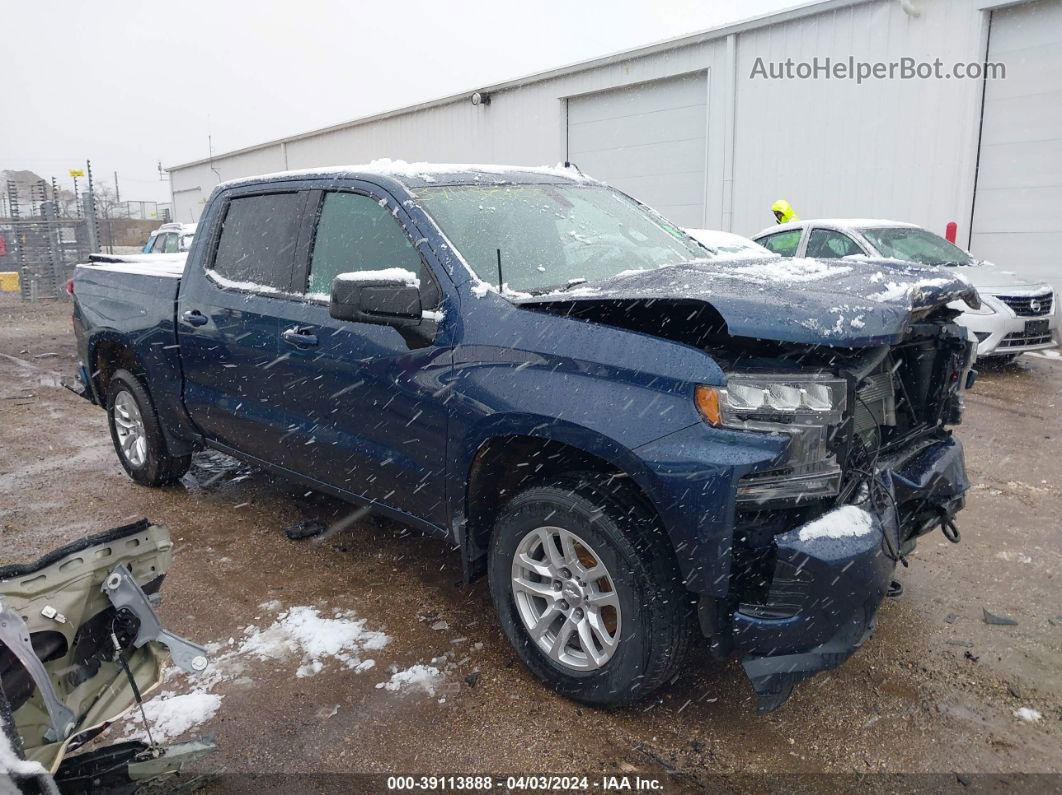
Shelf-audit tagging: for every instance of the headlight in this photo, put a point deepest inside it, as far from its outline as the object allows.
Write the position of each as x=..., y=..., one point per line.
x=804, y=407
x=773, y=402
x=982, y=309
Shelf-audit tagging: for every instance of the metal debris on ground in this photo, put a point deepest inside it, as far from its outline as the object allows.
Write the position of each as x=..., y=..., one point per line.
x=1004, y=621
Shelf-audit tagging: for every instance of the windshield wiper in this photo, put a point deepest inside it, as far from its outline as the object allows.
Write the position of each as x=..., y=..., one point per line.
x=558, y=288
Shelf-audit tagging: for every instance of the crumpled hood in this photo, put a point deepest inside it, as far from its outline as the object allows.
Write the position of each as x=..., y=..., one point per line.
x=817, y=302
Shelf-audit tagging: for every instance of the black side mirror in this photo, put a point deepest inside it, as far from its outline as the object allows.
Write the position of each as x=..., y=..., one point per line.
x=386, y=298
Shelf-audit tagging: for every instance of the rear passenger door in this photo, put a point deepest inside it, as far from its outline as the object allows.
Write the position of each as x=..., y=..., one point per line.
x=227, y=321
x=365, y=410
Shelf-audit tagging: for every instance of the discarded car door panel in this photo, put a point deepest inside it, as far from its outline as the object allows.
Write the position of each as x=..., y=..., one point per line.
x=631, y=437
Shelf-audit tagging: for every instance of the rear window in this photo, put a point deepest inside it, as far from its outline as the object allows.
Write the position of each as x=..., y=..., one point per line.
x=256, y=249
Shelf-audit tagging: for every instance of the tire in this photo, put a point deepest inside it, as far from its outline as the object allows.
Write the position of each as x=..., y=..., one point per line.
x=131, y=416
x=653, y=623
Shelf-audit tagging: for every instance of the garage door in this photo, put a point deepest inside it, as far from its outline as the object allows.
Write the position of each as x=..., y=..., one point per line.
x=648, y=140
x=1018, y=207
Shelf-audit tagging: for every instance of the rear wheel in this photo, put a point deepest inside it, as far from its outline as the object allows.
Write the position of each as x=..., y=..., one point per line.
x=136, y=434
x=587, y=591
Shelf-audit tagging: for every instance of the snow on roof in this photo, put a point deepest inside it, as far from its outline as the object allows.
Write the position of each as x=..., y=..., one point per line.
x=837, y=223
x=421, y=172
x=857, y=223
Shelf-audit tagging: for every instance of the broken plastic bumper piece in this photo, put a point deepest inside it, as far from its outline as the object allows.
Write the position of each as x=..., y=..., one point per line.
x=831, y=574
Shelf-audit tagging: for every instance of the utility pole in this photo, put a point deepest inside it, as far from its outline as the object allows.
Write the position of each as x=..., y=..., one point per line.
x=117, y=195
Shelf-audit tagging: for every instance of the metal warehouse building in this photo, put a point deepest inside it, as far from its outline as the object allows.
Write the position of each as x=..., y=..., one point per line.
x=693, y=128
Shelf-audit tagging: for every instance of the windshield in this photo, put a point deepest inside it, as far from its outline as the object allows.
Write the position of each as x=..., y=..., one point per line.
x=915, y=245
x=548, y=236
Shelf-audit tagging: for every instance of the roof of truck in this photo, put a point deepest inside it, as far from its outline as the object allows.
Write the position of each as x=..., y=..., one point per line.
x=416, y=175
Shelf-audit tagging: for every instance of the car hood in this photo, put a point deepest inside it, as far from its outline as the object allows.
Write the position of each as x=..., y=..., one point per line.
x=799, y=300
x=989, y=277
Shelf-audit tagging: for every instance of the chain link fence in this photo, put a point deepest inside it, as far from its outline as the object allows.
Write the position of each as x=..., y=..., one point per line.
x=42, y=238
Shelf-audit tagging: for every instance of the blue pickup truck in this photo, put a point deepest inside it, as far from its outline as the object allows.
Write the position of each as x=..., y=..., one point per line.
x=637, y=442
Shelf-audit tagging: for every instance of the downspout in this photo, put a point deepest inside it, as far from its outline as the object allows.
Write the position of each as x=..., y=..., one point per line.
x=729, y=122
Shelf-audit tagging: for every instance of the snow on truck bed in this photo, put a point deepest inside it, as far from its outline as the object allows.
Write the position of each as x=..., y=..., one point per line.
x=170, y=265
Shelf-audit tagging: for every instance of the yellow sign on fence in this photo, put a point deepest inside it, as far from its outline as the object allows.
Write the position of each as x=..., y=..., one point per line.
x=76, y=172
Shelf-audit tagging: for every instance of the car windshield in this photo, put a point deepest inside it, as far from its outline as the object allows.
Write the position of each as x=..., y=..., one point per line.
x=915, y=245
x=554, y=235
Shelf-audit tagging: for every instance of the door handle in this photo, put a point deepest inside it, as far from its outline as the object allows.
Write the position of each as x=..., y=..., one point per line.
x=300, y=336
x=194, y=317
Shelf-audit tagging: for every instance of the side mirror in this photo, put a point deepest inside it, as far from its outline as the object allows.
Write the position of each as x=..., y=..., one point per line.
x=387, y=298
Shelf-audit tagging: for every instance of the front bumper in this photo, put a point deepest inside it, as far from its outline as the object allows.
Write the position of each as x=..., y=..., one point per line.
x=830, y=575
x=1004, y=333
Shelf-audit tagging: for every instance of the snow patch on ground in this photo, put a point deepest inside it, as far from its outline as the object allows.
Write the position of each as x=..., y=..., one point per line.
x=416, y=677
x=171, y=715
x=299, y=633
x=302, y=632
x=1028, y=715
x=846, y=521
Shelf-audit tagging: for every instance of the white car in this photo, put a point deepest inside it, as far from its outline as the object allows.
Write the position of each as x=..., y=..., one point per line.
x=727, y=245
x=170, y=239
x=1016, y=315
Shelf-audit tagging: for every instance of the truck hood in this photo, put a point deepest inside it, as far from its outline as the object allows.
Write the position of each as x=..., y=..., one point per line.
x=799, y=300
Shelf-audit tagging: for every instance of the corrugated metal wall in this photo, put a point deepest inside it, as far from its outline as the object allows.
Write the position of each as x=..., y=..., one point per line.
x=901, y=149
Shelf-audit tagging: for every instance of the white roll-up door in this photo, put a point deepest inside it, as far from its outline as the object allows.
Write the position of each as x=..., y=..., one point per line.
x=648, y=140
x=1018, y=206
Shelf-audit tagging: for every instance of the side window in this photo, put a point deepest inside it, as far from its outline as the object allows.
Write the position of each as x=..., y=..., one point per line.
x=356, y=233
x=171, y=244
x=160, y=243
x=830, y=244
x=784, y=243
x=257, y=244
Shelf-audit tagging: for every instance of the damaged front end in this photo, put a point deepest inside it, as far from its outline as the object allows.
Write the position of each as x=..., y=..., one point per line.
x=870, y=465
x=80, y=645
x=829, y=451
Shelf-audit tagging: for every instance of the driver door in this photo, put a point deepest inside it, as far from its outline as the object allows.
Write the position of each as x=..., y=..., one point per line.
x=363, y=408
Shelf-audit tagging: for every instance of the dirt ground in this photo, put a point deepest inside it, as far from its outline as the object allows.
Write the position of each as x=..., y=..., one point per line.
x=934, y=691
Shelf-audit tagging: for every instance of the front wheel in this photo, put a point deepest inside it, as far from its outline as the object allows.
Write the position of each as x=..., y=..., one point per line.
x=136, y=434
x=588, y=593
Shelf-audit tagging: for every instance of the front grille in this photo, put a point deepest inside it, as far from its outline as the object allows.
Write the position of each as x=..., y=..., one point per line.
x=1029, y=305
x=1018, y=339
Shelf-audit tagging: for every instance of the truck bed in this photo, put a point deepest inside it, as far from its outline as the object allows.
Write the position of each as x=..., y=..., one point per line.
x=131, y=299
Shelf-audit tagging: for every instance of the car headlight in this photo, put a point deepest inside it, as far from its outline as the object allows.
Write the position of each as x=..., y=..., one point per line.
x=805, y=407
x=774, y=402
x=982, y=308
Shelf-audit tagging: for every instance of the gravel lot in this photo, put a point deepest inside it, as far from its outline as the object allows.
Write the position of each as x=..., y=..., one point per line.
x=935, y=690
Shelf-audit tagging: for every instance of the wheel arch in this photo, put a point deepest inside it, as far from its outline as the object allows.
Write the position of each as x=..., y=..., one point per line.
x=505, y=460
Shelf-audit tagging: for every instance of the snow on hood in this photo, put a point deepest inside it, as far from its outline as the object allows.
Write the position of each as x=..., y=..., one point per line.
x=989, y=277
x=817, y=302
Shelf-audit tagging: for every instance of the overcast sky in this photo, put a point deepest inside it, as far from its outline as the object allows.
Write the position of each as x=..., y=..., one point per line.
x=130, y=83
